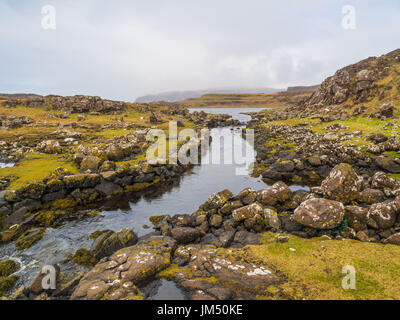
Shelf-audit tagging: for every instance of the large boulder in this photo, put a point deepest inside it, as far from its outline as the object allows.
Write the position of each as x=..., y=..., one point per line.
x=251, y=211
x=382, y=215
x=32, y=191
x=185, y=234
x=271, y=219
x=393, y=239
x=388, y=164
x=217, y=200
x=108, y=188
x=229, y=206
x=284, y=165
x=381, y=181
x=342, y=184
x=246, y=277
x=277, y=193
x=320, y=213
x=386, y=110
x=49, y=146
x=109, y=242
x=114, y=152
x=246, y=196
x=91, y=163
x=116, y=277
x=357, y=217
x=371, y=196
x=16, y=217
x=82, y=181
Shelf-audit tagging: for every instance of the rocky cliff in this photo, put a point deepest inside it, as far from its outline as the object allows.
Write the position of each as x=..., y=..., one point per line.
x=366, y=84
x=73, y=104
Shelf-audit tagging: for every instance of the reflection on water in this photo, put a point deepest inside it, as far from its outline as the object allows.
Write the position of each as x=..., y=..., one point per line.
x=162, y=289
x=6, y=165
x=235, y=113
x=180, y=196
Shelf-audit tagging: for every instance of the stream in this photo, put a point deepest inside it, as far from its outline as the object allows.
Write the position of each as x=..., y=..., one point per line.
x=185, y=196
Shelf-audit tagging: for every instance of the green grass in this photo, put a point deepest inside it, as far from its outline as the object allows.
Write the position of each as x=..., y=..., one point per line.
x=367, y=126
x=314, y=270
x=34, y=167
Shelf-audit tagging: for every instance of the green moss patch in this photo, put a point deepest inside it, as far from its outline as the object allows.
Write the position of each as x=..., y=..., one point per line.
x=6, y=284
x=34, y=167
x=84, y=258
x=29, y=238
x=8, y=267
x=313, y=267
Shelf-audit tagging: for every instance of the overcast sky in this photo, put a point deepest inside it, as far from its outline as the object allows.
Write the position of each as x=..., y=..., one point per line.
x=124, y=49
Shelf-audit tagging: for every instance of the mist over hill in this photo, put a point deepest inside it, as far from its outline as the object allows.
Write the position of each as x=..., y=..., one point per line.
x=173, y=96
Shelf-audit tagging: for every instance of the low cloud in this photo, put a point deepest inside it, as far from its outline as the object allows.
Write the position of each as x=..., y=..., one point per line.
x=132, y=48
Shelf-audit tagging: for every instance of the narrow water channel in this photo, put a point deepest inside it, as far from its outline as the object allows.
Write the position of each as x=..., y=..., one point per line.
x=194, y=189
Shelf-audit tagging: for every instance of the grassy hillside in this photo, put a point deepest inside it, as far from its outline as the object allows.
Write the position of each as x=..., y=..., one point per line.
x=274, y=100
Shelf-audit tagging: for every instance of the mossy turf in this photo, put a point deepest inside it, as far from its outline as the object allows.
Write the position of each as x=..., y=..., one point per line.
x=29, y=238
x=84, y=258
x=367, y=126
x=313, y=270
x=34, y=167
x=8, y=267
x=173, y=270
x=273, y=100
x=7, y=283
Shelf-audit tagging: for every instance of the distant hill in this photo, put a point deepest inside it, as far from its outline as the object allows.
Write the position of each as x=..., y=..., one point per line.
x=174, y=96
x=19, y=96
x=303, y=88
x=277, y=100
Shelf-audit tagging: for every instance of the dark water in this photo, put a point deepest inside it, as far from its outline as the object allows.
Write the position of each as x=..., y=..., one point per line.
x=185, y=197
x=162, y=289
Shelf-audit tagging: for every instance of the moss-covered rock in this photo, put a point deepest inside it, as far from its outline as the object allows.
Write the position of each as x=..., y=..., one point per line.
x=29, y=238
x=11, y=196
x=107, y=166
x=8, y=267
x=32, y=191
x=91, y=163
x=8, y=235
x=6, y=284
x=82, y=181
x=84, y=257
x=156, y=219
x=216, y=221
x=320, y=213
x=96, y=234
x=343, y=184
x=109, y=242
x=142, y=261
x=216, y=200
x=63, y=204
x=54, y=185
x=279, y=192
